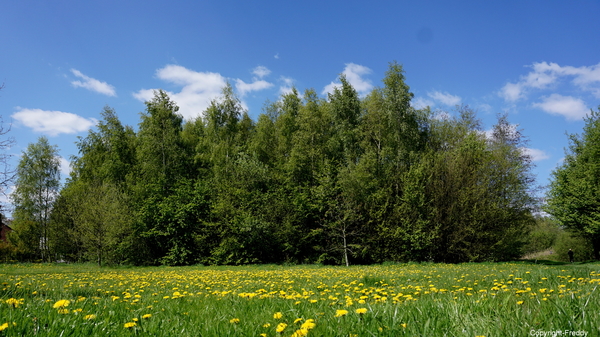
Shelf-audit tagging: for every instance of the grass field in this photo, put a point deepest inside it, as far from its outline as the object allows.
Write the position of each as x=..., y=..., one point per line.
x=503, y=299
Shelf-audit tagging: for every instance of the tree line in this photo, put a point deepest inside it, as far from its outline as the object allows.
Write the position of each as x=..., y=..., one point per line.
x=341, y=179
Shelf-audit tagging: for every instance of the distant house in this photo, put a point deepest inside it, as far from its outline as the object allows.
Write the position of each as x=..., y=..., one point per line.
x=4, y=229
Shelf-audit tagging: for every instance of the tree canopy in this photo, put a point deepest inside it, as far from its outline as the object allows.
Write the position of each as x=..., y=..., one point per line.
x=341, y=179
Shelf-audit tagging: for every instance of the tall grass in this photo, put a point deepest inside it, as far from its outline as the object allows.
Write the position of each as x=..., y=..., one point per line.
x=504, y=299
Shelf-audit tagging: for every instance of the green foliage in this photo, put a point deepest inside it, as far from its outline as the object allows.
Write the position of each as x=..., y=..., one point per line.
x=583, y=250
x=542, y=236
x=574, y=195
x=36, y=188
x=335, y=180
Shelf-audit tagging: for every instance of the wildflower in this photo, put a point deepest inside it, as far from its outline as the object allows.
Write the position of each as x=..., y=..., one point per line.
x=146, y=316
x=3, y=326
x=300, y=333
x=404, y=325
x=341, y=312
x=13, y=302
x=297, y=320
x=89, y=317
x=234, y=320
x=361, y=311
x=266, y=325
x=277, y=315
x=520, y=302
x=309, y=324
x=61, y=304
x=63, y=311
x=129, y=325
x=280, y=327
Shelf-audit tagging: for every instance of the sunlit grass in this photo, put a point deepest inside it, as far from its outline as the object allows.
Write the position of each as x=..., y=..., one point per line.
x=507, y=299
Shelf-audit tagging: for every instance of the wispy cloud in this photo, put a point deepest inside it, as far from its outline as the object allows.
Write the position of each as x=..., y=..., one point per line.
x=93, y=84
x=535, y=154
x=257, y=84
x=261, y=71
x=444, y=98
x=244, y=88
x=198, y=88
x=571, y=108
x=355, y=75
x=65, y=166
x=287, y=85
x=421, y=103
x=546, y=75
x=53, y=122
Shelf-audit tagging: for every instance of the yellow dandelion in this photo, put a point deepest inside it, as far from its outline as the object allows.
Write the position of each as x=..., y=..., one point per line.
x=280, y=327
x=146, y=316
x=277, y=315
x=4, y=326
x=61, y=304
x=298, y=320
x=89, y=317
x=361, y=311
x=63, y=311
x=404, y=325
x=309, y=324
x=266, y=325
x=129, y=325
x=341, y=312
x=234, y=320
x=520, y=302
x=13, y=302
x=300, y=333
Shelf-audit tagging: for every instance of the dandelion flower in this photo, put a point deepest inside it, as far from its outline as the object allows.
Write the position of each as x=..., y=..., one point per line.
x=61, y=304
x=277, y=315
x=63, y=311
x=361, y=311
x=520, y=302
x=234, y=320
x=3, y=326
x=146, y=316
x=89, y=317
x=297, y=320
x=309, y=324
x=13, y=302
x=266, y=325
x=280, y=327
x=129, y=325
x=341, y=312
x=300, y=333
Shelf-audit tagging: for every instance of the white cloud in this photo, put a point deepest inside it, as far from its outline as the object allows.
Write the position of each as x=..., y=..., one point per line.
x=199, y=88
x=243, y=88
x=512, y=92
x=354, y=74
x=571, y=108
x=261, y=71
x=53, y=122
x=535, y=154
x=65, y=166
x=93, y=84
x=444, y=98
x=276, y=56
x=288, y=83
x=421, y=103
x=545, y=75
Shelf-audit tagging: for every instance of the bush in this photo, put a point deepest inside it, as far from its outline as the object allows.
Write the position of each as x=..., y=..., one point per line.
x=581, y=247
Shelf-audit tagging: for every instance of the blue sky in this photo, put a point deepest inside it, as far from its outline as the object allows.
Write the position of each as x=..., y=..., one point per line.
x=61, y=62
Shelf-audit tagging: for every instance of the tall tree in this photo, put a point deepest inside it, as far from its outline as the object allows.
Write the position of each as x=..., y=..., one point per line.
x=36, y=189
x=574, y=194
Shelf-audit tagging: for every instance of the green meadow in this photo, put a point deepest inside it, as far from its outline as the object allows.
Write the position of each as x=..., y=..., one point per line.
x=491, y=299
